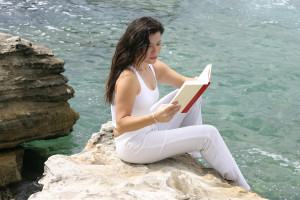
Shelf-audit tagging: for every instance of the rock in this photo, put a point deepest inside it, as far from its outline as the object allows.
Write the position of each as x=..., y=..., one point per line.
x=12, y=44
x=33, y=101
x=10, y=166
x=33, y=93
x=97, y=173
x=5, y=194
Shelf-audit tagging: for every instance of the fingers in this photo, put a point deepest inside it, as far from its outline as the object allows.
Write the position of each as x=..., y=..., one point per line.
x=171, y=106
x=166, y=112
x=175, y=103
x=172, y=109
x=175, y=109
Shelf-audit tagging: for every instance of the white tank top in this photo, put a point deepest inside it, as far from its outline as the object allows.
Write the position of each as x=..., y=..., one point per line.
x=143, y=101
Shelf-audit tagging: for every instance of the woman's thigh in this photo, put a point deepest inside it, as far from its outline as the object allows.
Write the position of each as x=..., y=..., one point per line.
x=193, y=117
x=158, y=145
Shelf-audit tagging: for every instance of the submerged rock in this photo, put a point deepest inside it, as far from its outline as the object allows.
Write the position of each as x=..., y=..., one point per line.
x=33, y=98
x=97, y=173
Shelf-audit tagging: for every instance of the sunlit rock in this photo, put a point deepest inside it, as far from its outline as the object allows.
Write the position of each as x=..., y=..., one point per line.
x=97, y=173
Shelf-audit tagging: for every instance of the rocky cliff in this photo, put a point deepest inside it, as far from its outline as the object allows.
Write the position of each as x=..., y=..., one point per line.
x=97, y=173
x=33, y=99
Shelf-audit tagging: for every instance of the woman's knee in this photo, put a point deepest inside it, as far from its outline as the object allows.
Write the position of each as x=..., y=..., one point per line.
x=213, y=132
x=212, y=138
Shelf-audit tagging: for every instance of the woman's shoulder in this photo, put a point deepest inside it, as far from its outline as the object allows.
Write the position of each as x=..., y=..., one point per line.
x=127, y=77
x=127, y=72
x=127, y=83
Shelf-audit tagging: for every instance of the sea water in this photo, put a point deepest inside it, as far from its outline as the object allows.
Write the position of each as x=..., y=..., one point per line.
x=254, y=95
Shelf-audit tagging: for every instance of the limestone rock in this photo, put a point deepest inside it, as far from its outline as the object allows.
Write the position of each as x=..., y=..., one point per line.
x=10, y=166
x=33, y=93
x=97, y=173
x=13, y=44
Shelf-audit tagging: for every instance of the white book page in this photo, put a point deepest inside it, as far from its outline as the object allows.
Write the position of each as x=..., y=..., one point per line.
x=185, y=96
x=205, y=75
x=190, y=88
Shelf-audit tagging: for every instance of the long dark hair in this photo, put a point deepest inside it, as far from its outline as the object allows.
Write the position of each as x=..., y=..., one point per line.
x=132, y=45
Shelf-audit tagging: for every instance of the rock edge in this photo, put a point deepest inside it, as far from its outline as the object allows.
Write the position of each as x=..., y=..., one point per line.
x=97, y=173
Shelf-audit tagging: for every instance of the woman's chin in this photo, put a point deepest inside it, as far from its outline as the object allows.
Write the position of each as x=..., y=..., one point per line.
x=152, y=61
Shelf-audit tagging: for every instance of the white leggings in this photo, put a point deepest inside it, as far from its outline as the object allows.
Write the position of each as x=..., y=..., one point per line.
x=184, y=133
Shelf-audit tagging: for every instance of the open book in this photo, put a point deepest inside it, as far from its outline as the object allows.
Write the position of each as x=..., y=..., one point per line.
x=190, y=91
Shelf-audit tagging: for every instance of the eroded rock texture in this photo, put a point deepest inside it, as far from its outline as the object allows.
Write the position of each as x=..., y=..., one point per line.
x=33, y=100
x=10, y=166
x=97, y=173
x=33, y=93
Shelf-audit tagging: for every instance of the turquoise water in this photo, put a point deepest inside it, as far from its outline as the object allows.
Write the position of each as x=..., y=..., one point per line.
x=254, y=96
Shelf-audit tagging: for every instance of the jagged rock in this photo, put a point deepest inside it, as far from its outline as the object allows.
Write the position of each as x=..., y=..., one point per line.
x=33, y=99
x=97, y=173
x=33, y=93
x=13, y=44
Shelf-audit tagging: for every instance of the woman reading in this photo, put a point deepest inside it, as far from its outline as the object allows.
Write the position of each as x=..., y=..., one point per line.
x=147, y=130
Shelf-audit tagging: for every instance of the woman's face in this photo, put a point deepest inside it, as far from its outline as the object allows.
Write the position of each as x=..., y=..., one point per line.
x=154, y=48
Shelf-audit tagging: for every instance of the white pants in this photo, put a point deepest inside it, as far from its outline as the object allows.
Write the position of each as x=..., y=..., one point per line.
x=184, y=133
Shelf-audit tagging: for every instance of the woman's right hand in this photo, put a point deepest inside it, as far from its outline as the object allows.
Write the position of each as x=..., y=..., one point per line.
x=165, y=112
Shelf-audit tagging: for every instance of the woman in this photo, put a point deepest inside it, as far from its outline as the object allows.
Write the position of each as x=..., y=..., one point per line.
x=147, y=130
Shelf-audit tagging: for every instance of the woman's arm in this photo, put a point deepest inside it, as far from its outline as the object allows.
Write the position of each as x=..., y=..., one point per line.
x=166, y=75
x=127, y=87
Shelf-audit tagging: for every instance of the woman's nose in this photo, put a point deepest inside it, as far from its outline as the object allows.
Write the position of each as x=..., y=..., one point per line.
x=154, y=49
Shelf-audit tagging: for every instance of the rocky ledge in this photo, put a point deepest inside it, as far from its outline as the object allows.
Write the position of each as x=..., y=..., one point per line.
x=33, y=101
x=97, y=173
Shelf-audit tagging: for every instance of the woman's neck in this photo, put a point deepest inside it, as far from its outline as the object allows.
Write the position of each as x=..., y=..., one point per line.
x=142, y=67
